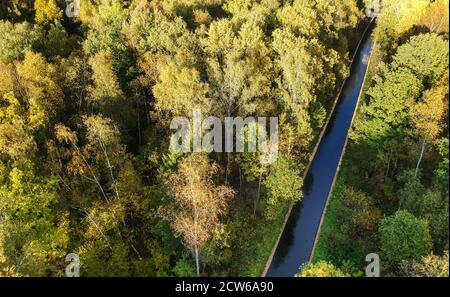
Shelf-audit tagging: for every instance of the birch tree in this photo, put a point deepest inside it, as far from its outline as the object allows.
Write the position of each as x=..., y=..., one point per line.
x=197, y=202
x=427, y=117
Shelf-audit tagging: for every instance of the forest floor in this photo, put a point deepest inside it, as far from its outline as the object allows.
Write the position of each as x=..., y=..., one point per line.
x=257, y=251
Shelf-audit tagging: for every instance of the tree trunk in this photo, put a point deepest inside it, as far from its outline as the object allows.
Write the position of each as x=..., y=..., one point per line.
x=197, y=261
x=227, y=153
x=422, y=152
x=388, y=167
x=240, y=182
x=139, y=124
x=147, y=113
x=110, y=169
x=226, y=168
x=80, y=103
x=257, y=195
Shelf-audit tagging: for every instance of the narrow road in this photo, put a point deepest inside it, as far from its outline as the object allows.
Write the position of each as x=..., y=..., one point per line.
x=297, y=241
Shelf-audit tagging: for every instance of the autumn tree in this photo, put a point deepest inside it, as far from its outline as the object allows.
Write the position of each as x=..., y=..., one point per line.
x=150, y=30
x=40, y=82
x=17, y=127
x=436, y=16
x=17, y=10
x=47, y=11
x=238, y=67
x=76, y=81
x=357, y=214
x=320, y=19
x=106, y=88
x=107, y=194
x=85, y=105
x=252, y=163
x=178, y=91
x=396, y=18
x=198, y=202
x=428, y=266
x=427, y=117
x=303, y=81
x=57, y=42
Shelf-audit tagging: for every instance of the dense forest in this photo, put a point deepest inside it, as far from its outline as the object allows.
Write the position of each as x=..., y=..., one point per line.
x=392, y=193
x=84, y=134
x=85, y=109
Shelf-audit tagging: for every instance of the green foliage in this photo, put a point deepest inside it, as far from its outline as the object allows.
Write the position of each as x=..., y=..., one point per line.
x=411, y=192
x=357, y=215
x=429, y=205
x=115, y=265
x=57, y=42
x=105, y=32
x=401, y=124
x=386, y=114
x=321, y=269
x=397, y=18
x=153, y=31
x=441, y=172
x=334, y=244
x=425, y=55
x=403, y=237
x=283, y=184
x=434, y=208
x=33, y=232
x=398, y=87
x=17, y=39
x=184, y=268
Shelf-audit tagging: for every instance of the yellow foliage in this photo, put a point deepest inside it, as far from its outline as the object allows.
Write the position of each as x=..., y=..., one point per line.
x=402, y=15
x=180, y=90
x=320, y=269
x=427, y=115
x=436, y=16
x=47, y=11
x=106, y=83
x=36, y=116
x=202, y=17
x=41, y=82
